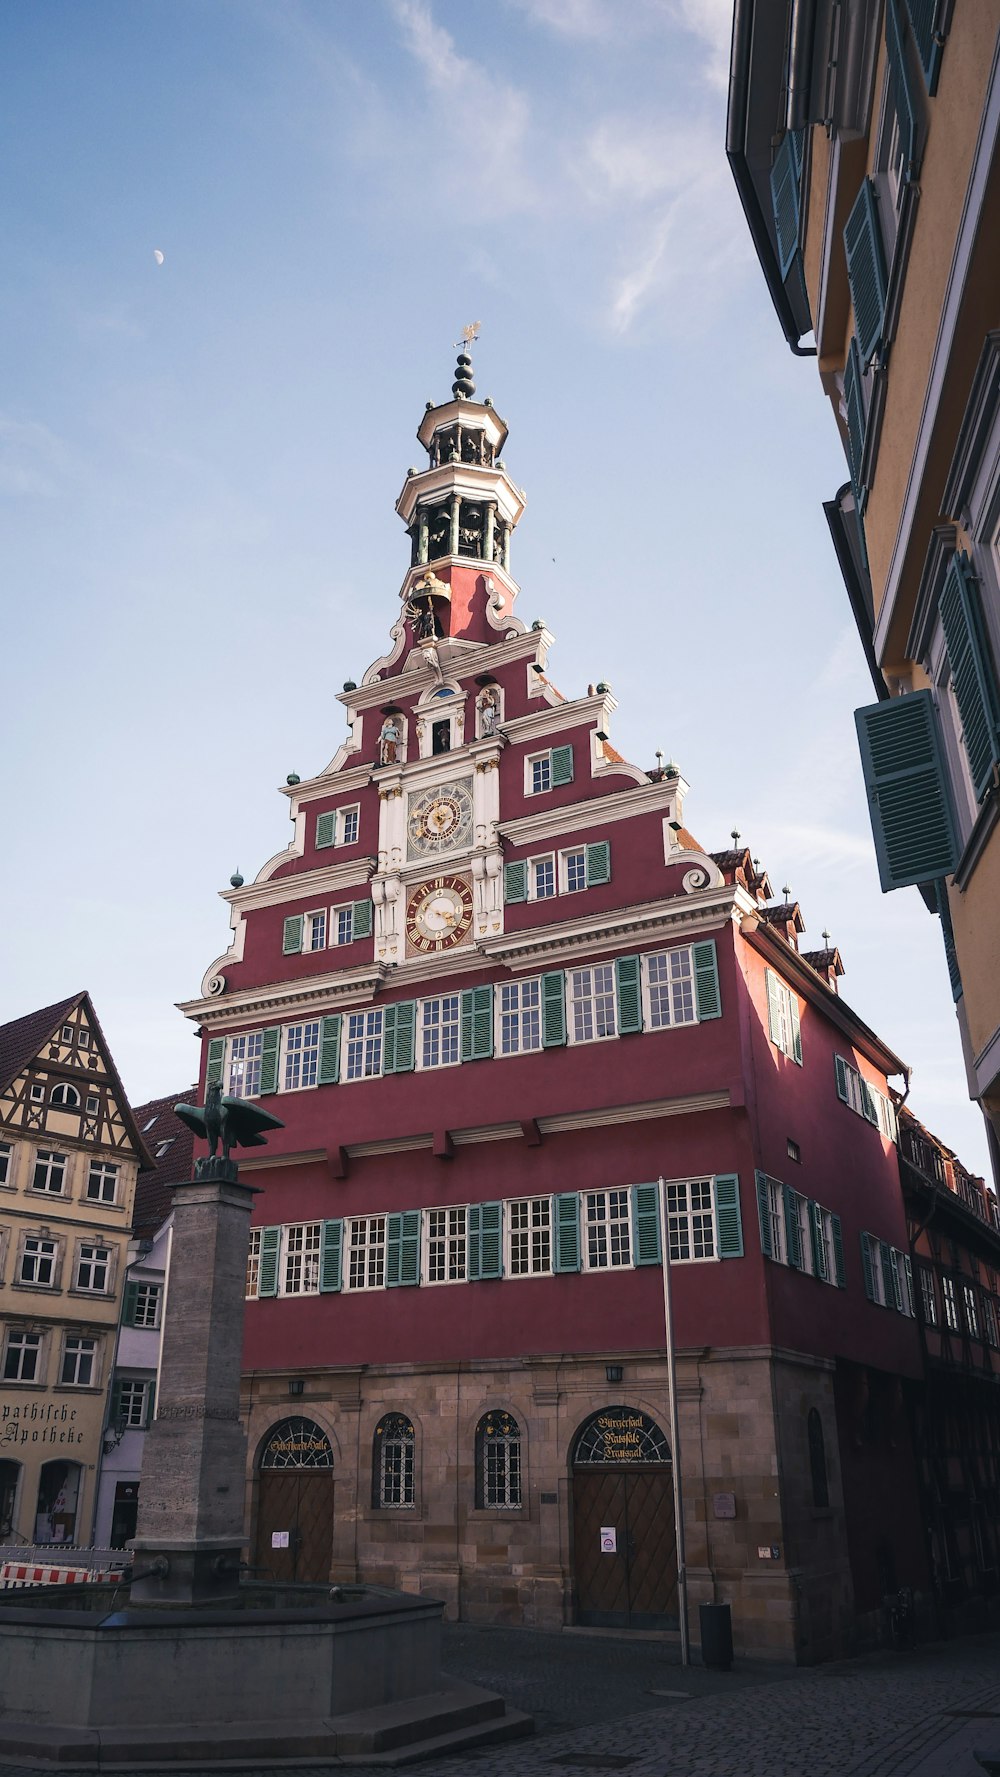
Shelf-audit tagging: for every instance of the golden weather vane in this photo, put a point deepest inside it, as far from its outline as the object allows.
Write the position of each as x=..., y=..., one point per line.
x=469, y=335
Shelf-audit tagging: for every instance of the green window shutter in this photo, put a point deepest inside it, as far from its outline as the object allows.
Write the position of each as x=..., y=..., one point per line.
x=816, y=1242
x=908, y=1268
x=329, y=1051
x=515, y=882
x=838, y=1252
x=326, y=829
x=567, y=1253
x=598, y=863
x=216, y=1058
x=128, y=1304
x=773, y=1007
x=150, y=1413
x=485, y=1241
x=331, y=1250
x=399, y=1031
x=115, y=1409
x=646, y=1249
x=477, y=1023
x=889, y=1281
x=728, y=1220
x=857, y=421
x=562, y=765
x=903, y=94
x=793, y=1007
x=291, y=942
x=927, y=40
x=267, y=1274
x=553, y=1009
x=785, y=200
x=972, y=674
x=840, y=1071
x=908, y=795
x=628, y=990
x=869, y=1108
x=866, y=270
x=706, y=980
x=270, y=1052
x=764, y=1214
x=402, y=1248
x=793, y=1235
x=866, y=1266
x=362, y=923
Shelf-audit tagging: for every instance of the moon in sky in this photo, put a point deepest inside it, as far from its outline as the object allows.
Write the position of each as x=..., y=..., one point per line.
x=157, y=255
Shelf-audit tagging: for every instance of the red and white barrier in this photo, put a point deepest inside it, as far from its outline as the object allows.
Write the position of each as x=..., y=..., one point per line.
x=21, y=1573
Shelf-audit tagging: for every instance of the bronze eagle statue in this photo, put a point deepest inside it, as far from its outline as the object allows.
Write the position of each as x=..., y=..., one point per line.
x=231, y=1122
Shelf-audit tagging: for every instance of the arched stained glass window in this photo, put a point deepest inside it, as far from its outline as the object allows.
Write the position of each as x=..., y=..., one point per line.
x=498, y=1462
x=296, y=1443
x=817, y=1459
x=392, y=1462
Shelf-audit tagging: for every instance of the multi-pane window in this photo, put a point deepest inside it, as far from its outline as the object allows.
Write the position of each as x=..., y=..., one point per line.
x=316, y=931
x=690, y=1227
x=609, y=1242
x=440, y=1024
x=950, y=1301
x=671, y=989
x=102, y=1182
x=592, y=997
x=364, y=1045
x=971, y=1314
x=21, y=1358
x=805, y=1233
x=864, y=1099
x=50, y=1173
x=903, y=1292
x=543, y=878
x=301, y=1055
x=93, y=1268
x=520, y=1017
x=446, y=1245
x=773, y=1208
x=928, y=1299
x=366, y=1253
x=342, y=931
x=78, y=1362
x=253, y=1263
x=349, y=819
x=498, y=1463
x=301, y=1272
x=393, y=1462
x=827, y=1247
x=529, y=1224
x=6, y=1163
x=146, y=1305
x=783, y=1017
x=541, y=773
x=133, y=1404
x=574, y=865
x=989, y=1320
x=66, y=1096
x=38, y=1261
x=244, y=1064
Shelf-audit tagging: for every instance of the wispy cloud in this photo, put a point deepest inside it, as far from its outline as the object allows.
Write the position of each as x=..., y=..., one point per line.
x=712, y=22
x=594, y=21
x=32, y=459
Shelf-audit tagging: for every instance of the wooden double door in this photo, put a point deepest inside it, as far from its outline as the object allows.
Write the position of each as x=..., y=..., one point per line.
x=633, y=1586
x=296, y=1503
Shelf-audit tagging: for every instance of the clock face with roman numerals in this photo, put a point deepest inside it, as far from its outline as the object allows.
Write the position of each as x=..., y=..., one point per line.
x=439, y=914
x=438, y=820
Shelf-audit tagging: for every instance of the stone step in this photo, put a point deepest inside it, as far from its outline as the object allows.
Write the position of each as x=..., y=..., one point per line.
x=511, y=1726
x=459, y=1705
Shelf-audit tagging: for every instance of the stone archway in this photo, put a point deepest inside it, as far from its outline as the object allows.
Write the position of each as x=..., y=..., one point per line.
x=624, y=1541
x=294, y=1540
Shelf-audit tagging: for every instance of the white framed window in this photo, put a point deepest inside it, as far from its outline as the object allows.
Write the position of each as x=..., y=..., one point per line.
x=93, y=1103
x=873, y=1270
x=147, y=1300
x=133, y=1401
x=342, y=924
x=392, y=1464
x=440, y=1031
x=928, y=1299
x=79, y=1361
x=548, y=771
x=244, y=1064
x=971, y=1311
x=37, y=1094
x=366, y=1253
x=773, y=1211
x=783, y=1017
x=950, y=1302
x=989, y=1320
x=829, y=1256
x=102, y=1182
x=542, y=878
x=690, y=1219
x=93, y=1268
x=83, y=1038
x=904, y=1293
x=573, y=870
x=6, y=1164
x=447, y=1245
x=67, y=1033
x=300, y=1270
x=520, y=1017
x=805, y=1234
x=339, y=826
x=592, y=1003
x=608, y=1244
x=539, y=773
x=65, y=1097
x=301, y=1055
x=669, y=984
x=364, y=1045
x=865, y=1099
x=253, y=1264
x=529, y=1236
x=50, y=1173
x=22, y=1358
x=316, y=930
x=39, y=1264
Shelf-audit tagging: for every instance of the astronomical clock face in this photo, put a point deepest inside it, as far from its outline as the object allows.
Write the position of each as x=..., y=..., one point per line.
x=439, y=914
x=438, y=820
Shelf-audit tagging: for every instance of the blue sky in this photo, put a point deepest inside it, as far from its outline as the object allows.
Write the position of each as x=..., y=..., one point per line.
x=199, y=460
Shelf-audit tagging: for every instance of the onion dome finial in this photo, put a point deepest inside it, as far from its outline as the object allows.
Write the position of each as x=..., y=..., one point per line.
x=463, y=386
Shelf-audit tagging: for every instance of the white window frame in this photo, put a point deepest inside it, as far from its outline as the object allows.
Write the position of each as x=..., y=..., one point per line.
x=300, y=1258
x=667, y=988
x=928, y=1296
x=313, y=930
x=572, y=851
x=93, y=1104
x=7, y=1165
x=36, y=1259
x=446, y=1245
x=964, y=804
x=37, y=1093
x=252, y=1286
x=805, y=1234
x=589, y=1004
x=364, y=1044
x=250, y=1043
x=949, y=1302
x=510, y=1037
x=133, y=1416
x=686, y=1220
x=341, y=920
x=529, y=1237
x=103, y=1172
x=301, y=1060
x=861, y=1092
x=154, y=1298
x=365, y=1252
x=776, y=1220
x=607, y=1229
x=543, y=760
x=27, y=1342
x=875, y=1267
x=44, y=1159
x=87, y=1352
x=66, y=1102
x=67, y=1033
x=970, y=1311
x=349, y=814
x=785, y=998
x=429, y=1034
x=83, y=1038
x=544, y=860
x=903, y=1283
x=88, y=1254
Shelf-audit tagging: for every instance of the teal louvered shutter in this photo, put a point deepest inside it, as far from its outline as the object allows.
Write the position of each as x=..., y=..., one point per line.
x=326, y=829
x=869, y=1108
x=129, y=1300
x=361, y=926
x=515, y=882
x=477, y=1023
x=291, y=942
x=330, y=1257
x=329, y=1051
x=972, y=675
x=399, y=1037
x=270, y=1052
x=764, y=1214
x=150, y=1411
x=485, y=1241
x=598, y=863
x=854, y=406
x=909, y=798
x=903, y=89
x=785, y=175
x=267, y=1272
x=567, y=1244
x=793, y=1233
x=908, y=1268
x=840, y=1072
x=216, y=1057
x=115, y=1409
x=793, y=1008
x=890, y=1283
x=927, y=39
x=706, y=980
x=773, y=1007
x=646, y=1249
x=402, y=1249
x=728, y=1220
x=866, y=1266
x=628, y=991
x=866, y=270
x=816, y=1242
x=562, y=765
x=838, y=1252
x=553, y=1009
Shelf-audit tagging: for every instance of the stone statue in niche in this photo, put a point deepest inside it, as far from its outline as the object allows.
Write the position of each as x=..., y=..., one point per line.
x=499, y=535
x=388, y=741
x=488, y=706
x=472, y=447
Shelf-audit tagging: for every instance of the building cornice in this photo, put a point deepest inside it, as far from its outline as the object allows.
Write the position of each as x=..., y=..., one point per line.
x=457, y=658
x=328, y=783
x=621, y=805
x=288, y=998
x=304, y=885
x=703, y=910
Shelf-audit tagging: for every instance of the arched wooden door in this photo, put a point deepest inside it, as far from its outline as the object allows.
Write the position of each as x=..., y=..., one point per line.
x=624, y=1541
x=295, y=1504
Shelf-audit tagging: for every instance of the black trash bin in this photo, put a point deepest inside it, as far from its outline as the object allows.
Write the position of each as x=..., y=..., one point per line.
x=716, y=1636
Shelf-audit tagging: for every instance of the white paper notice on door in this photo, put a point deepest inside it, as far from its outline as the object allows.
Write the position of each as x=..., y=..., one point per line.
x=609, y=1539
x=279, y=1539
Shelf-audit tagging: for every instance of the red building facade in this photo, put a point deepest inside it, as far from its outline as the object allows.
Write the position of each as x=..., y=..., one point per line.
x=496, y=990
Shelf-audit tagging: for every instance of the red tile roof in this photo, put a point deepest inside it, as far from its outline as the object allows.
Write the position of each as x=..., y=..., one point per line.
x=21, y=1040
x=155, y=1185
